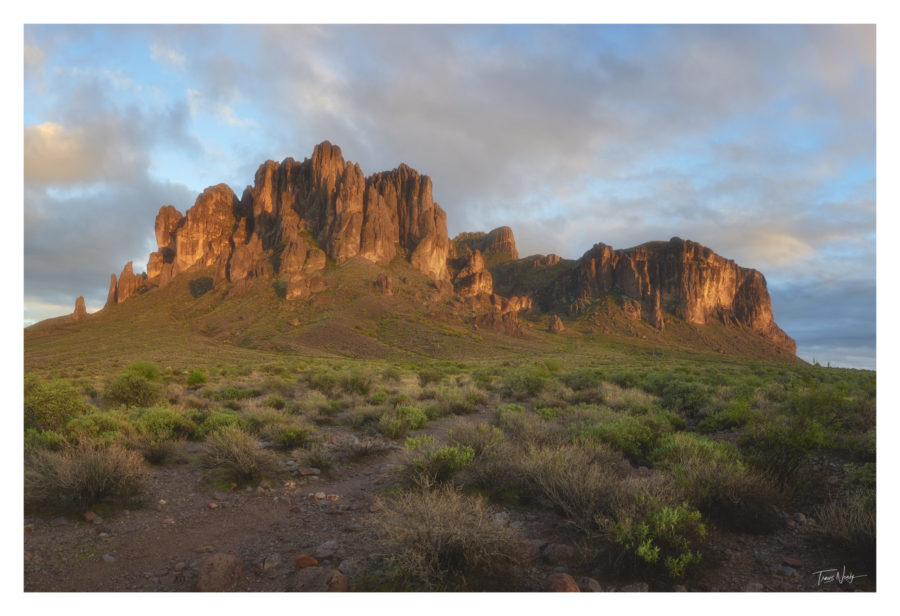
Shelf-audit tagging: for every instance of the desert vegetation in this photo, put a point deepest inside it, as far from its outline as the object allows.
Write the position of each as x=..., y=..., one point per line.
x=639, y=466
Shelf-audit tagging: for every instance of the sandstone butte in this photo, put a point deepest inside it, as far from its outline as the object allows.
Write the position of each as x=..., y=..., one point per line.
x=299, y=215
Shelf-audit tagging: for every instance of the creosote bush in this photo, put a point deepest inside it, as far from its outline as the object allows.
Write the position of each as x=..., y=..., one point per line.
x=445, y=540
x=82, y=475
x=238, y=454
x=50, y=404
x=398, y=421
x=132, y=388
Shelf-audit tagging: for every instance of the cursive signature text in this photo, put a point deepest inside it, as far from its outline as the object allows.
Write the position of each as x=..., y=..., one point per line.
x=836, y=576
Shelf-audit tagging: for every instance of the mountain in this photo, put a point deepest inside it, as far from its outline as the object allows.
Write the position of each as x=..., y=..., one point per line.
x=306, y=232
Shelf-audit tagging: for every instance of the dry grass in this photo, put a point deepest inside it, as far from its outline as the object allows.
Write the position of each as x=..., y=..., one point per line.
x=238, y=454
x=446, y=540
x=851, y=521
x=82, y=475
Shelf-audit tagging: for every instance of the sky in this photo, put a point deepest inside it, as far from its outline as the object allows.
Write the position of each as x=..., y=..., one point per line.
x=757, y=141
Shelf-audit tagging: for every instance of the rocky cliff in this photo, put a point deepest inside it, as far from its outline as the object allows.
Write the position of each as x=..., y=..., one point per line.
x=299, y=216
x=680, y=277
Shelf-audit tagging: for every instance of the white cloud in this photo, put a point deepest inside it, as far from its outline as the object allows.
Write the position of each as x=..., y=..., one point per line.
x=161, y=54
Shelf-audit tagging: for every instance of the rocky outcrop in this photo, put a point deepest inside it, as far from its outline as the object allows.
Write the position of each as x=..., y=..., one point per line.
x=556, y=325
x=680, y=277
x=127, y=284
x=473, y=278
x=80, y=313
x=384, y=284
x=499, y=244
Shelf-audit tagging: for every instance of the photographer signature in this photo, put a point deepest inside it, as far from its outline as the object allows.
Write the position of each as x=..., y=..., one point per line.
x=831, y=576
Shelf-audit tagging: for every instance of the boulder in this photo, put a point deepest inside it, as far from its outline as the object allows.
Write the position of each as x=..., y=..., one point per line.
x=219, y=573
x=560, y=582
x=319, y=579
x=384, y=284
x=556, y=325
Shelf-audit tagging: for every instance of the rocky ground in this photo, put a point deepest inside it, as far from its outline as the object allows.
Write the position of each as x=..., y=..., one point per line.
x=314, y=530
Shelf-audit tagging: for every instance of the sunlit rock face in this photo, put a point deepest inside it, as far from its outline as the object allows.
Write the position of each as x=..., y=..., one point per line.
x=681, y=277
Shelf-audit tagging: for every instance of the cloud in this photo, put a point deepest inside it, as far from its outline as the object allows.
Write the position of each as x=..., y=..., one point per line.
x=162, y=54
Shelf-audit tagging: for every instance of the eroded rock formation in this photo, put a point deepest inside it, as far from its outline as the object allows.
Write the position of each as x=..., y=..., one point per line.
x=680, y=277
x=80, y=313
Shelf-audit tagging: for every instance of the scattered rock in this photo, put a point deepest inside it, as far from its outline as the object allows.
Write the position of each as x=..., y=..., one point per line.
x=212, y=506
x=319, y=579
x=332, y=497
x=679, y=588
x=303, y=561
x=109, y=558
x=219, y=573
x=636, y=587
x=588, y=584
x=29, y=528
x=327, y=549
x=271, y=562
x=560, y=582
x=60, y=521
x=306, y=472
x=556, y=325
x=754, y=587
x=557, y=553
x=799, y=518
x=792, y=562
x=180, y=566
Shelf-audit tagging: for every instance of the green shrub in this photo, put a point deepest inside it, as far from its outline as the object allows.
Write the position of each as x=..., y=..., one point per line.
x=157, y=432
x=324, y=382
x=195, y=378
x=656, y=536
x=43, y=439
x=443, y=463
x=392, y=373
x=429, y=376
x=528, y=428
x=235, y=393
x=713, y=479
x=523, y=383
x=398, y=421
x=681, y=395
x=443, y=540
x=131, y=389
x=356, y=383
x=275, y=402
x=777, y=444
x=101, y=426
x=200, y=286
x=50, y=404
x=238, y=454
x=485, y=440
x=292, y=436
x=218, y=420
x=735, y=415
x=582, y=379
x=82, y=475
x=634, y=436
x=144, y=369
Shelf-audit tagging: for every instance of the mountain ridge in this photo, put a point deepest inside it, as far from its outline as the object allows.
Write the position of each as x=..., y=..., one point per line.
x=299, y=218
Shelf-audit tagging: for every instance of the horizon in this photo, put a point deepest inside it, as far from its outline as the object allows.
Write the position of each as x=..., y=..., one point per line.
x=569, y=135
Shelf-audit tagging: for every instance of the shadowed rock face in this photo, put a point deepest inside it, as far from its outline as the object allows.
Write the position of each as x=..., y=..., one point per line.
x=500, y=242
x=680, y=277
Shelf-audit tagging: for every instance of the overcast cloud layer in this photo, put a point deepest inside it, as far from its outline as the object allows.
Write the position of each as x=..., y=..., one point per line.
x=758, y=141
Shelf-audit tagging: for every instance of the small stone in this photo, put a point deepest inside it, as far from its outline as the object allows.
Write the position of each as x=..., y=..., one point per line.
x=271, y=562
x=309, y=472
x=180, y=566
x=799, y=518
x=219, y=573
x=206, y=549
x=790, y=523
x=558, y=553
x=303, y=561
x=168, y=521
x=792, y=562
x=679, y=588
x=327, y=549
x=103, y=535
x=109, y=558
x=29, y=528
x=332, y=497
x=789, y=572
x=162, y=502
x=90, y=516
x=319, y=495
x=588, y=584
x=501, y=518
x=560, y=582
x=319, y=579
x=220, y=496
x=212, y=506
x=754, y=587
x=58, y=522
x=97, y=520
x=636, y=587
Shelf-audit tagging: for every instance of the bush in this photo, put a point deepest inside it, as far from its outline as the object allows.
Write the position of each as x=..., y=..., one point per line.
x=158, y=431
x=195, y=378
x=484, y=440
x=850, y=521
x=144, y=369
x=679, y=394
x=131, y=389
x=50, y=404
x=713, y=479
x=292, y=436
x=83, y=475
x=777, y=444
x=275, y=402
x=634, y=436
x=105, y=426
x=392, y=373
x=238, y=454
x=324, y=382
x=528, y=428
x=216, y=421
x=398, y=421
x=235, y=393
x=430, y=376
x=444, y=540
x=44, y=439
x=200, y=286
x=523, y=383
x=655, y=536
x=356, y=383
x=443, y=463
